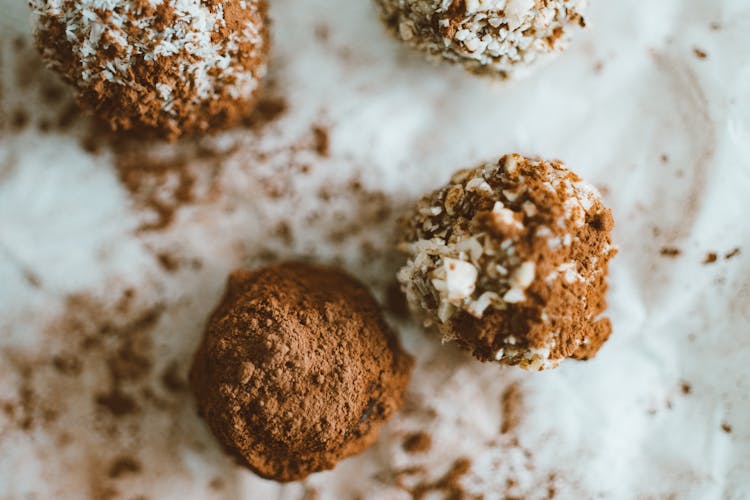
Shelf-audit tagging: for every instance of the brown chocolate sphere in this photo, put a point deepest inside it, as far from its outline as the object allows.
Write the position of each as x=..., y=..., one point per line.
x=297, y=369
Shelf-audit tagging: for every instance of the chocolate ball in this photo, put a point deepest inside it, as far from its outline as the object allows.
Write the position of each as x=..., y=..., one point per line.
x=501, y=38
x=510, y=260
x=297, y=369
x=163, y=67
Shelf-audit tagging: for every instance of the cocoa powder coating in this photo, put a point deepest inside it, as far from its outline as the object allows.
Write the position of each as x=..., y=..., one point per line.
x=297, y=369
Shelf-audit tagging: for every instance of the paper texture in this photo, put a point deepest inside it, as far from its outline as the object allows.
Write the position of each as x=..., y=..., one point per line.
x=632, y=107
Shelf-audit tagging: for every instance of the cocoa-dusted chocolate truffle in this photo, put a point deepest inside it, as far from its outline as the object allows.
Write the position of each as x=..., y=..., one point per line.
x=163, y=67
x=494, y=37
x=297, y=369
x=510, y=261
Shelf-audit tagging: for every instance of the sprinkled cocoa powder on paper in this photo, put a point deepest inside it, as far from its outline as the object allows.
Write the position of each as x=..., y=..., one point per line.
x=161, y=185
x=123, y=466
x=671, y=252
x=321, y=140
x=700, y=53
x=449, y=484
x=511, y=405
x=297, y=369
x=417, y=442
x=98, y=385
x=711, y=258
x=733, y=253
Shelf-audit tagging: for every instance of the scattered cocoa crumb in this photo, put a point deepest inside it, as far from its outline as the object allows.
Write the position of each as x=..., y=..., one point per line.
x=284, y=232
x=711, y=257
x=145, y=178
x=700, y=54
x=734, y=253
x=267, y=110
x=726, y=427
x=68, y=116
x=310, y=494
x=123, y=466
x=32, y=278
x=322, y=32
x=551, y=490
x=168, y=262
x=44, y=125
x=116, y=403
x=671, y=252
x=511, y=406
x=67, y=364
x=171, y=378
x=686, y=388
x=417, y=442
x=598, y=67
x=714, y=26
x=9, y=409
x=322, y=146
x=216, y=484
x=20, y=119
x=664, y=158
x=19, y=43
x=448, y=484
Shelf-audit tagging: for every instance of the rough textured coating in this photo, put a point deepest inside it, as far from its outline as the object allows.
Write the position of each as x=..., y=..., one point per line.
x=163, y=67
x=297, y=369
x=494, y=37
x=510, y=260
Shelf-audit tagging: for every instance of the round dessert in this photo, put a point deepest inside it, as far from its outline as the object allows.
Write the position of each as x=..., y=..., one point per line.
x=510, y=261
x=501, y=38
x=160, y=67
x=297, y=369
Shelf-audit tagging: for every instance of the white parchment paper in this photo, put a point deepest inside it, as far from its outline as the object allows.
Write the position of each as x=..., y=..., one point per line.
x=662, y=412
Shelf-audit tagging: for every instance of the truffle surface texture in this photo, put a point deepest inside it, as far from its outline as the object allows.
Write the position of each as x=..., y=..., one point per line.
x=159, y=68
x=510, y=260
x=297, y=369
x=500, y=38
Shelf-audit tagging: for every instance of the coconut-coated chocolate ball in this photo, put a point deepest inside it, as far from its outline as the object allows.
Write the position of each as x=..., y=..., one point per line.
x=501, y=38
x=160, y=67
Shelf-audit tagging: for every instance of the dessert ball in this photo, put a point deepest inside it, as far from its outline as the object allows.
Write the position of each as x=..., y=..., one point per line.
x=297, y=369
x=510, y=261
x=163, y=67
x=493, y=37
